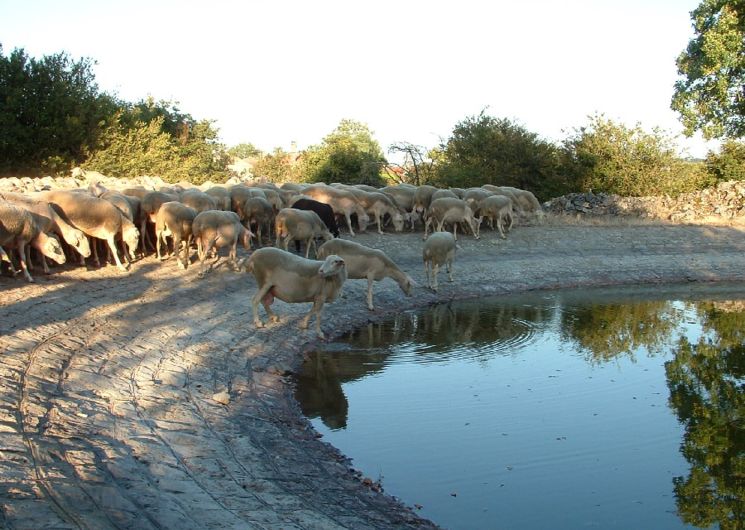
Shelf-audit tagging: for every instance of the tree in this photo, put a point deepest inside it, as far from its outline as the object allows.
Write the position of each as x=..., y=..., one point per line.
x=349, y=155
x=244, y=150
x=605, y=156
x=729, y=163
x=487, y=150
x=711, y=95
x=278, y=166
x=50, y=112
x=415, y=168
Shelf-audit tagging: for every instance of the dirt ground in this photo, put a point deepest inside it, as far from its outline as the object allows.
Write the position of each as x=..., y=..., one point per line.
x=149, y=400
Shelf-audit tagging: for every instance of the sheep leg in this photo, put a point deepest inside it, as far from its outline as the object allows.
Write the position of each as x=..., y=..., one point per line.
x=370, y=293
x=177, y=250
x=186, y=252
x=348, y=217
x=500, y=225
x=435, y=271
x=449, y=265
x=378, y=220
x=315, y=310
x=265, y=296
x=158, y=237
x=455, y=231
x=4, y=257
x=427, y=266
x=112, y=247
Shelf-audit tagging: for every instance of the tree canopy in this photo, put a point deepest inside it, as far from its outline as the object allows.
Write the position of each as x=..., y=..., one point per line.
x=710, y=97
x=349, y=154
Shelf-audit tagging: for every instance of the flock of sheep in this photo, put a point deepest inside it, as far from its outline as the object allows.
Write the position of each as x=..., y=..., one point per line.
x=73, y=224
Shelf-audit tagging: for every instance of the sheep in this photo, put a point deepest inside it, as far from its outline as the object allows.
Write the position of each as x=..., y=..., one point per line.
x=149, y=204
x=175, y=219
x=439, y=249
x=239, y=193
x=304, y=225
x=292, y=279
x=198, y=200
x=221, y=196
x=343, y=203
x=71, y=235
x=423, y=197
x=18, y=228
x=258, y=212
x=439, y=194
x=379, y=204
x=214, y=229
x=96, y=218
x=496, y=208
x=450, y=210
x=524, y=201
x=366, y=263
x=324, y=211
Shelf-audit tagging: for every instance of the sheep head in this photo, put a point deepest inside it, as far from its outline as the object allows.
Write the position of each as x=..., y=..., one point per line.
x=332, y=266
x=51, y=248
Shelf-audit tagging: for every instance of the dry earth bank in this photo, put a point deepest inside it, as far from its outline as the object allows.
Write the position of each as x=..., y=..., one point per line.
x=148, y=399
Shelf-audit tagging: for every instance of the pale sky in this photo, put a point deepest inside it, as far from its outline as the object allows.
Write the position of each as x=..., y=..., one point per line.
x=273, y=72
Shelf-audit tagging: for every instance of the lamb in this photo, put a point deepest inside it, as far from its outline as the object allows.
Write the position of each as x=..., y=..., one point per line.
x=96, y=218
x=450, y=210
x=214, y=229
x=304, y=225
x=71, y=235
x=18, y=228
x=366, y=263
x=496, y=208
x=343, y=203
x=292, y=279
x=439, y=249
x=175, y=219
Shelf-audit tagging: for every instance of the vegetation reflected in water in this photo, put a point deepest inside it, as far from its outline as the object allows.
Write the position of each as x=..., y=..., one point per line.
x=700, y=347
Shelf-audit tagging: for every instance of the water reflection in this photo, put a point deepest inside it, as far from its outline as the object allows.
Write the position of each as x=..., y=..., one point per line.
x=707, y=383
x=705, y=370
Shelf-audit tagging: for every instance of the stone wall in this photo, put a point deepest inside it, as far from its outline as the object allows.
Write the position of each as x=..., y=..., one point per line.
x=724, y=202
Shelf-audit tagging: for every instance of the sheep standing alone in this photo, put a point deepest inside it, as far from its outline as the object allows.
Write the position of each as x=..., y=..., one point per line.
x=175, y=219
x=19, y=228
x=366, y=263
x=439, y=249
x=292, y=279
x=214, y=229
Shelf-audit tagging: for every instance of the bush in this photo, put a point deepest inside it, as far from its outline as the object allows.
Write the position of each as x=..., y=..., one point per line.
x=729, y=163
x=486, y=150
x=608, y=157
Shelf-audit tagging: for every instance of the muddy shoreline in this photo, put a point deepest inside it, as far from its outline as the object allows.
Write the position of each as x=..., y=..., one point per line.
x=148, y=400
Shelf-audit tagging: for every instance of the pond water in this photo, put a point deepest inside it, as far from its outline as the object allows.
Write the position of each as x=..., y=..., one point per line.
x=600, y=409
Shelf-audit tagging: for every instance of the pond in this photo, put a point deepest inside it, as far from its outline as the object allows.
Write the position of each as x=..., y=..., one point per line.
x=618, y=408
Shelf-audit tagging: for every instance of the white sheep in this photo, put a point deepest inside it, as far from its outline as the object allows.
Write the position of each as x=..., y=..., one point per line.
x=19, y=228
x=450, y=210
x=343, y=202
x=379, y=205
x=71, y=235
x=96, y=218
x=175, y=219
x=299, y=225
x=439, y=249
x=214, y=229
x=292, y=279
x=366, y=263
x=258, y=212
x=496, y=208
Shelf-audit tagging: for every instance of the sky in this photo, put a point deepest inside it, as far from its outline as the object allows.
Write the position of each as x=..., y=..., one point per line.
x=280, y=71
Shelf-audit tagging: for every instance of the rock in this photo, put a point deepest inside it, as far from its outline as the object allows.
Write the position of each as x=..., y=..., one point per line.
x=223, y=398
